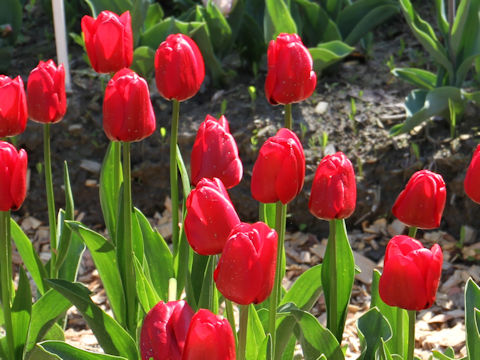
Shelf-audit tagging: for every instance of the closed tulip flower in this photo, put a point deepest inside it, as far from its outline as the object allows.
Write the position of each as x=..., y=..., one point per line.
x=334, y=190
x=246, y=270
x=210, y=217
x=290, y=76
x=179, y=68
x=46, y=98
x=13, y=106
x=422, y=201
x=13, y=176
x=109, y=41
x=127, y=110
x=209, y=337
x=411, y=274
x=279, y=171
x=472, y=179
x=215, y=153
x=164, y=331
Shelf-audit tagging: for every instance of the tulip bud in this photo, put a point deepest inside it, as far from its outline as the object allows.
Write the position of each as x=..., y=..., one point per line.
x=210, y=217
x=334, y=190
x=422, y=201
x=290, y=76
x=179, y=68
x=127, y=110
x=246, y=270
x=279, y=171
x=411, y=274
x=108, y=41
x=225, y=6
x=209, y=337
x=164, y=331
x=46, y=98
x=215, y=153
x=13, y=106
x=13, y=176
x=472, y=179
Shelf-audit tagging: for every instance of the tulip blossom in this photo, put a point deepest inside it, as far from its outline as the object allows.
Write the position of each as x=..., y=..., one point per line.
x=246, y=270
x=422, y=201
x=164, y=331
x=13, y=106
x=127, y=110
x=215, y=153
x=179, y=68
x=13, y=176
x=279, y=171
x=46, y=98
x=210, y=217
x=411, y=274
x=290, y=76
x=472, y=179
x=108, y=41
x=334, y=190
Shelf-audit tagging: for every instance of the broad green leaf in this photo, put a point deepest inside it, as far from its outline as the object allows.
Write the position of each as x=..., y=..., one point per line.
x=143, y=60
x=138, y=12
x=267, y=214
x=154, y=15
x=265, y=349
x=116, y=6
x=68, y=352
x=29, y=256
x=218, y=28
x=383, y=353
x=255, y=335
x=418, y=77
x=472, y=303
x=21, y=313
x=110, y=335
x=277, y=19
x=372, y=327
x=251, y=39
x=146, y=294
x=333, y=8
x=11, y=13
x=459, y=25
x=208, y=295
x=159, y=32
x=69, y=269
x=439, y=356
x=329, y=53
x=442, y=21
x=39, y=353
x=104, y=257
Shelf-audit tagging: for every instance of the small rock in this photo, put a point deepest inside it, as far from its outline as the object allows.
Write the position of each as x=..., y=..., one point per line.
x=75, y=129
x=91, y=166
x=91, y=183
x=321, y=108
x=396, y=228
x=30, y=223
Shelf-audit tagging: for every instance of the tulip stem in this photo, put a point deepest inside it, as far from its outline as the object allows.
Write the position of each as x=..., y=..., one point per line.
x=288, y=116
x=50, y=199
x=399, y=340
x=231, y=318
x=412, y=314
x=6, y=279
x=332, y=305
x=174, y=175
x=412, y=231
x=242, y=332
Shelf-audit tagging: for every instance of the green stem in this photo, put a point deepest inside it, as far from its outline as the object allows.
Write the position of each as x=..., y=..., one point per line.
x=399, y=340
x=174, y=175
x=128, y=256
x=6, y=280
x=288, y=116
x=280, y=221
x=117, y=148
x=332, y=320
x=50, y=199
x=242, y=332
x=412, y=231
x=231, y=318
x=411, y=333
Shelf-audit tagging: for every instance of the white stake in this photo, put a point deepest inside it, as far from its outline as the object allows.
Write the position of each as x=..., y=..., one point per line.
x=61, y=40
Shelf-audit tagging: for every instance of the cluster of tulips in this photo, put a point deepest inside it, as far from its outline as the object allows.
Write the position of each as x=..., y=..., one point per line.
x=247, y=260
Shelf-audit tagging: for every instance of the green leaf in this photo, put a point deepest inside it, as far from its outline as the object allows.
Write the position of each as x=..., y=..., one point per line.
x=29, y=256
x=472, y=302
x=143, y=60
x=442, y=21
x=255, y=335
x=329, y=53
x=208, y=295
x=267, y=214
x=439, y=356
x=21, y=313
x=11, y=13
x=372, y=327
x=69, y=269
x=251, y=40
x=154, y=35
x=110, y=335
x=68, y=352
x=104, y=257
x=147, y=295
x=154, y=15
x=383, y=353
x=277, y=19
x=418, y=77
x=138, y=12
x=218, y=28
x=459, y=25
x=116, y=6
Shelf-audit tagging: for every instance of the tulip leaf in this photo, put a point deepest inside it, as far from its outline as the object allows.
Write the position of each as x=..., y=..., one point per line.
x=110, y=335
x=69, y=269
x=116, y=6
x=383, y=353
x=418, y=77
x=255, y=335
x=143, y=60
x=154, y=35
x=472, y=321
x=29, y=256
x=458, y=27
x=11, y=13
x=68, y=352
x=209, y=294
x=147, y=296
x=372, y=326
x=265, y=349
x=218, y=28
x=446, y=356
x=326, y=54
x=104, y=257
x=39, y=353
x=277, y=19
x=21, y=313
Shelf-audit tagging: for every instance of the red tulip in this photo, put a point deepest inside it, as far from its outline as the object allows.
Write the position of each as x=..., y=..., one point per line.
x=290, y=76
x=109, y=41
x=279, y=171
x=210, y=217
x=472, y=179
x=246, y=270
x=422, y=201
x=209, y=337
x=13, y=106
x=215, y=153
x=411, y=274
x=334, y=190
x=164, y=331
x=13, y=176
x=179, y=68
x=127, y=110
x=46, y=98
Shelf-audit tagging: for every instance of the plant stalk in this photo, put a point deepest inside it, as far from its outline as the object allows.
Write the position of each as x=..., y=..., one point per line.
x=412, y=231
x=332, y=320
x=6, y=280
x=242, y=333
x=231, y=318
x=174, y=175
x=399, y=336
x=288, y=116
x=411, y=333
